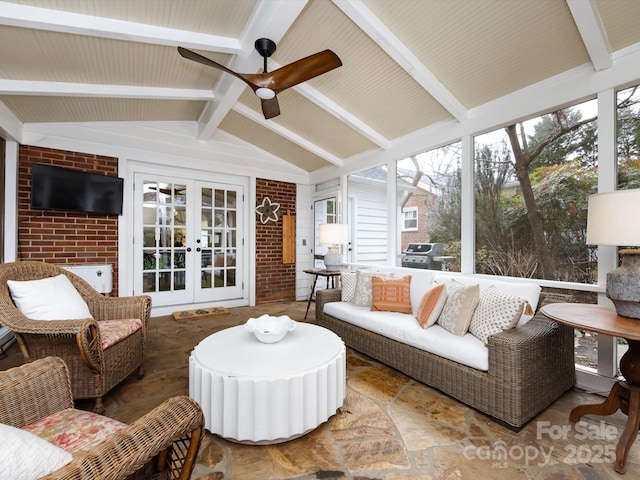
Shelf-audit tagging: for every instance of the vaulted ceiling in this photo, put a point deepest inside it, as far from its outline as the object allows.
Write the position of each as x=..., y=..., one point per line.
x=407, y=64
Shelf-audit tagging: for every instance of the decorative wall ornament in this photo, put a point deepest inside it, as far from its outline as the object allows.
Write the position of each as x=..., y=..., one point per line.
x=268, y=211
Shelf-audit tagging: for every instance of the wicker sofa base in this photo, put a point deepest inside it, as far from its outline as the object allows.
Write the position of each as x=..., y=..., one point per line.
x=529, y=366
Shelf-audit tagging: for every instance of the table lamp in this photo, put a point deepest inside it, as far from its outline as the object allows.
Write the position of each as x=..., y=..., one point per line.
x=333, y=235
x=614, y=219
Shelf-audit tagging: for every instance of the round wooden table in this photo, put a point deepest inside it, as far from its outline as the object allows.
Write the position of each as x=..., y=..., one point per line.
x=625, y=394
x=258, y=393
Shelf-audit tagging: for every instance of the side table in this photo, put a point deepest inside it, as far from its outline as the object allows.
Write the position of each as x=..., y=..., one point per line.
x=625, y=394
x=331, y=279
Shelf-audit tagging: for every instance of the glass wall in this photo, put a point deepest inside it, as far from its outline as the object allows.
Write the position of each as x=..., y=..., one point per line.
x=367, y=216
x=429, y=196
x=532, y=184
x=628, y=155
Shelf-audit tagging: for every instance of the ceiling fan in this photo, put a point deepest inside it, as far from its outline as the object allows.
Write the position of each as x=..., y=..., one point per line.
x=267, y=85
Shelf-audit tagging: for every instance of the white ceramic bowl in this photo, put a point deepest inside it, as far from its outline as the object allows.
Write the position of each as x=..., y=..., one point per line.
x=269, y=329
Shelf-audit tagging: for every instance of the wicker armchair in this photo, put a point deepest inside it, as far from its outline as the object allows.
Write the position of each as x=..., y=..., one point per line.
x=162, y=444
x=94, y=370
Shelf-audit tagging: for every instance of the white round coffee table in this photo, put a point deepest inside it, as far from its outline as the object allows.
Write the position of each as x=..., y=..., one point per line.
x=258, y=393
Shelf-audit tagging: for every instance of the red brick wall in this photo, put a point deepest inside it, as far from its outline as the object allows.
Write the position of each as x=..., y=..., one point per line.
x=65, y=237
x=426, y=203
x=275, y=281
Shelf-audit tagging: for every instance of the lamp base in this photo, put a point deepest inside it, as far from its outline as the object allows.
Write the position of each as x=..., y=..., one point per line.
x=333, y=260
x=623, y=284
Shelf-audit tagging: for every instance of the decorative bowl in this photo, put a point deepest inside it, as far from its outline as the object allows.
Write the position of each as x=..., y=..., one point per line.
x=269, y=329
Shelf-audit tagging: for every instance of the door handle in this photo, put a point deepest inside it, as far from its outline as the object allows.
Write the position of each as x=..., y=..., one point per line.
x=188, y=249
x=198, y=249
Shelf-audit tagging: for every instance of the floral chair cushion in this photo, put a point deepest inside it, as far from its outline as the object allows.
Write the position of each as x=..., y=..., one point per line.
x=112, y=331
x=75, y=430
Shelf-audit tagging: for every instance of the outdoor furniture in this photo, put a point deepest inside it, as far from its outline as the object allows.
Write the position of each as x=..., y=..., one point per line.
x=36, y=397
x=260, y=393
x=95, y=364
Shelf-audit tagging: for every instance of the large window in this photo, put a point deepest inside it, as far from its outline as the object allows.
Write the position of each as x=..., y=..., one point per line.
x=368, y=216
x=429, y=185
x=532, y=184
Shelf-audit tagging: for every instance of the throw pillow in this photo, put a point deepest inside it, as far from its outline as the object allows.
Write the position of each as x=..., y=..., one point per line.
x=431, y=305
x=27, y=456
x=496, y=311
x=458, y=309
x=391, y=294
x=348, y=285
x=52, y=298
x=362, y=292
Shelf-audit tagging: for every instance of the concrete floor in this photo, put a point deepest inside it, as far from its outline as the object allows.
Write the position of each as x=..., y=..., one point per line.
x=389, y=428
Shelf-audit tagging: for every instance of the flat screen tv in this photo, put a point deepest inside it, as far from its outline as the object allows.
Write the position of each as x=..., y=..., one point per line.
x=57, y=188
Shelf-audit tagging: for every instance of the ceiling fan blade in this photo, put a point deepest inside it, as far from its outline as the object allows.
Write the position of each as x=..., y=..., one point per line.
x=302, y=70
x=196, y=57
x=270, y=108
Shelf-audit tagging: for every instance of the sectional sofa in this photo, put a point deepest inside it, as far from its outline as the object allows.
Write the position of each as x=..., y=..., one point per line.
x=511, y=377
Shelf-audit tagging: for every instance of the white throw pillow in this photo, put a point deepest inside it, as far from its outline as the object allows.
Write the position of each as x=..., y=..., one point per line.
x=348, y=285
x=25, y=456
x=458, y=309
x=496, y=311
x=52, y=298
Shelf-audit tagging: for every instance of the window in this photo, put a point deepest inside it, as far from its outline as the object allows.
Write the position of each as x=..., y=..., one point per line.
x=368, y=216
x=532, y=184
x=429, y=189
x=410, y=219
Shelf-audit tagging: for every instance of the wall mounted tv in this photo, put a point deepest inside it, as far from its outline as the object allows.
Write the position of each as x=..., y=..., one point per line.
x=57, y=188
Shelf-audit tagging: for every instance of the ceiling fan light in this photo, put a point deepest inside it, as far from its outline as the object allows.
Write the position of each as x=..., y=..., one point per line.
x=265, y=93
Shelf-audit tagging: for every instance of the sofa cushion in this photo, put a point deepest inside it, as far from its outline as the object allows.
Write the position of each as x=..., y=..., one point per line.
x=467, y=349
x=75, y=430
x=348, y=285
x=431, y=305
x=458, y=309
x=51, y=298
x=496, y=311
x=527, y=290
x=391, y=294
x=112, y=331
x=25, y=456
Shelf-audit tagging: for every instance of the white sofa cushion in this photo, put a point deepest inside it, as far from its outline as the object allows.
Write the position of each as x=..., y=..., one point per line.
x=467, y=349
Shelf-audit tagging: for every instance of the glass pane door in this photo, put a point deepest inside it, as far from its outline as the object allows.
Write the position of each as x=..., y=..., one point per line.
x=218, y=242
x=324, y=211
x=165, y=252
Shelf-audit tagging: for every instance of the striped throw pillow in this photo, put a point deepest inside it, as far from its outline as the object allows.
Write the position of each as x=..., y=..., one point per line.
x=391, y=294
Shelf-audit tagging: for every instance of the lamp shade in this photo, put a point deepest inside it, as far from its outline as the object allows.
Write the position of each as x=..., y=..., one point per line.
x=333, y=234
x=614, y=218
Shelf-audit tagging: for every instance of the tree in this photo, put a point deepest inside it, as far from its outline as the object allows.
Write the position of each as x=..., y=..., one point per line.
x=525, y=152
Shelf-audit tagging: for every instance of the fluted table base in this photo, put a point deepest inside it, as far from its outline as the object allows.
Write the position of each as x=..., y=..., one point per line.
x=258, y=393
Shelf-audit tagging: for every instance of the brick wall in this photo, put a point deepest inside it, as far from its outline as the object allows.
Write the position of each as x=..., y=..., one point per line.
x=275, y=281
x=65, y=237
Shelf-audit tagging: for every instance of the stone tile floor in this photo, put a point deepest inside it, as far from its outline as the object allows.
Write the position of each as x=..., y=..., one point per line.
x=389, y=428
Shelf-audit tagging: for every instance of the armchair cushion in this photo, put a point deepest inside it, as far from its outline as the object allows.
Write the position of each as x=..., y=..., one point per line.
x=26, y=456
x=52, y=298
x=75, y=430
x=112, y=331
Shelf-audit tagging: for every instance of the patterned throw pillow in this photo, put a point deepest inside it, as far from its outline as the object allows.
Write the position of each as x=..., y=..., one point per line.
x=431, y=305
x=458, y=309
x=391, y=294
x=348, y=285
x=496, y=311
x=362, y=293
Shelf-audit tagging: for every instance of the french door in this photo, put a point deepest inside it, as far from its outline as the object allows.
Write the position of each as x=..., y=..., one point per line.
x=188, y=240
